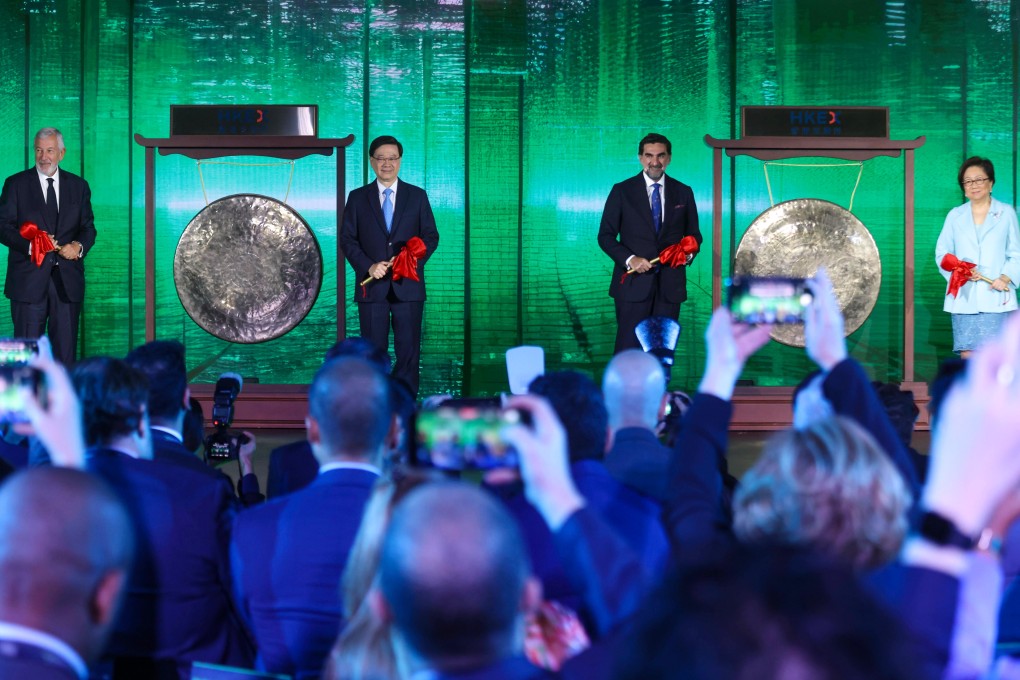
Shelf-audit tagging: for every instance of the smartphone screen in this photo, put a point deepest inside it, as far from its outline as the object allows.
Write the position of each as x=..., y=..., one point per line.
x=15, y=376
x=778, y=300
x=464, y=437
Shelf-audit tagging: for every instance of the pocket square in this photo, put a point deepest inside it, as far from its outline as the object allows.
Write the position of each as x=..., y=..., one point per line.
x=678, y=206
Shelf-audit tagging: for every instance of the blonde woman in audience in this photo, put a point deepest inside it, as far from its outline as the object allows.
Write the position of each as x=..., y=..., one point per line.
x=828, y=486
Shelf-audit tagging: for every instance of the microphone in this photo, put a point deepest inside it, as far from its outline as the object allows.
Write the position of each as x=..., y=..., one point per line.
x=224, y=394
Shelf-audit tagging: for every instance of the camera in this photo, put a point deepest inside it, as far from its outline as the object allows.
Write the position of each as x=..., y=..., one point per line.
x=16, y=376
x=777, y=300
x=466, y=435
x=224, y=444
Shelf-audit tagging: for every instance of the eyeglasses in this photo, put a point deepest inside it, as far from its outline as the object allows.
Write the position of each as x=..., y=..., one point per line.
x=388, y=159
x=976, y=182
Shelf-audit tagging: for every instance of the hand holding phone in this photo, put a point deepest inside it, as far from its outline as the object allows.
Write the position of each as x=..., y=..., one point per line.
x=18, y=376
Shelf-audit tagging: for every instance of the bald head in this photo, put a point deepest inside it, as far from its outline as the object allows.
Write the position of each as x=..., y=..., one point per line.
x=633, y=387
x=453, y=572
x=66, y=543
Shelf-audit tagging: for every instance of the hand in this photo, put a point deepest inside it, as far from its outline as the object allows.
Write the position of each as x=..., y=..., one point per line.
x=728, y=347
x=69, y=251
x=542, y=448
x=824, y=338
x=379, y=269
x=974, y=460
x=639, y=265
x=246, y=452
x=1001, y=283
x=58, y=425
x=975, y=275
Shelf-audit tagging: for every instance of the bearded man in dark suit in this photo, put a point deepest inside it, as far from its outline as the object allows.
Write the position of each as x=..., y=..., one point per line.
x=644, y=215
x=379, y=220
x=48, y=294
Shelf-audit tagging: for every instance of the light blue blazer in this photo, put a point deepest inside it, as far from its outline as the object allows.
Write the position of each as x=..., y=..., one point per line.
x=994, y=246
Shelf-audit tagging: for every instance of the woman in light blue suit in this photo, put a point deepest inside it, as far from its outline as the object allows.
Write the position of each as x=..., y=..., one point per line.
x=983, y=231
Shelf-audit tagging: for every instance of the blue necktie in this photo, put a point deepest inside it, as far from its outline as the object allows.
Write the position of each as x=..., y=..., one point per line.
x=656, y=207
x=387, y=208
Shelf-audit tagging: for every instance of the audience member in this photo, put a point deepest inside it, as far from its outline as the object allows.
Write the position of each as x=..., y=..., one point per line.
x=293, y=466
x=455, y=583
x=66, y=546
x=162, y=363
x=902, y=410
x=365, y=647
x=177, y=607
x=634, y=516
x=634, y=389
x=828, y=486
x=288, y=555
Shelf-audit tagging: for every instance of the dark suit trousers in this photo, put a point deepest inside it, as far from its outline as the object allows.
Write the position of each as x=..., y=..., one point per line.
x=630, y=314
x=407, y=317
x=30, y=319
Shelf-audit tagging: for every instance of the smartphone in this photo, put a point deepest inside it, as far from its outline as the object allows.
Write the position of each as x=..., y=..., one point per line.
x=778, y=300
x=15, y=376
x=465, y=436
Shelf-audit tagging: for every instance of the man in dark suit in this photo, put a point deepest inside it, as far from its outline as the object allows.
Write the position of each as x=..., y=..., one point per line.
x=59, y=204
x=379, y=220
x=177, y=608
x=644, y=215
x=62, y=571
x=162, y=362
x=634, y=388
x=454, y=580
x=288, y=555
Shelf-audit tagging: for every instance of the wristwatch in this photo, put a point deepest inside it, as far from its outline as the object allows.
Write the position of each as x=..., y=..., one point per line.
x=941, y=530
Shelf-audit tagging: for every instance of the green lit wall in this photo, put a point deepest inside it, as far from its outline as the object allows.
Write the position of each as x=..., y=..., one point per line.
x=517, y=117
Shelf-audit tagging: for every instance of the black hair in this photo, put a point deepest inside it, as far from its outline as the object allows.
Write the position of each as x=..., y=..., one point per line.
x=162, y=362
x=383, y=141
x=113, y=398
x=976, y=161
x=581, y=408
x=654, y=138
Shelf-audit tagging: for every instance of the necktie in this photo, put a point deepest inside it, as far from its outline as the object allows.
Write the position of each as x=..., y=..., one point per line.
x=387, y=208
x=51, y=206
x=656, y=207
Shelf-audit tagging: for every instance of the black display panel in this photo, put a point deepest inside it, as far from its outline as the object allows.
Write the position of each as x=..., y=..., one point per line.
x=255, y=119
x=815, y=121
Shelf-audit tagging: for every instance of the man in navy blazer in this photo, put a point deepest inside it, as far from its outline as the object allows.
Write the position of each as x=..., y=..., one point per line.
x=62, y=571
x=288, y=555
x=643, y=215
x=177, y=608
x=379, y=220
x=60, y=204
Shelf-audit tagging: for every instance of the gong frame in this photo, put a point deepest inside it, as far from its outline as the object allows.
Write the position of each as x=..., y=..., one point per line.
x=843, y=148
x=201, y=147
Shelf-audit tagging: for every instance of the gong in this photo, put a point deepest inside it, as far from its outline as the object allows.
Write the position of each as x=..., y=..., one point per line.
x=247, y=268
x=795, y=238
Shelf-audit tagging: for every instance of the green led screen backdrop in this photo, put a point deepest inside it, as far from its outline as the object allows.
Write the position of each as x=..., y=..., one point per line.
x=517, y=117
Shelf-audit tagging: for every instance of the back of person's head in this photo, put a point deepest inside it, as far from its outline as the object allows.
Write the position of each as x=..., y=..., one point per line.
x=579, y=405
x=349, y=402
x=66, y=544
x=404, y=407
x=829, y=486
x=113, y=398
x=453, y=573
x=357, y=346
x=900, y=407
x=633, y=386
x=162, y=362
x=950, y=371
x=755, y=612
x=193, y=427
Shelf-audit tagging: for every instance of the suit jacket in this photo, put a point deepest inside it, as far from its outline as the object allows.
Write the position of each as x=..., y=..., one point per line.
x=627, y=229
x=288, y=556
x=639, y=460
x=513, y=668
x=177, y=604
x=365, y=239
x=291, y=467
x=22, y=200
x=168, y=449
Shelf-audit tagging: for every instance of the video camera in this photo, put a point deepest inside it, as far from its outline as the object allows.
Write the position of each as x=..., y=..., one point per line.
x=223, y=444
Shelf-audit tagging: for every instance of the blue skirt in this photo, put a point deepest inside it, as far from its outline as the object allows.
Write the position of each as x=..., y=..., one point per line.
x=970, y=331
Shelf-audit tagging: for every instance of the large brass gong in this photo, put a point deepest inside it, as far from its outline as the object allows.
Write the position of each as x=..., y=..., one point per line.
x=795, y=238
x=247, y=268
